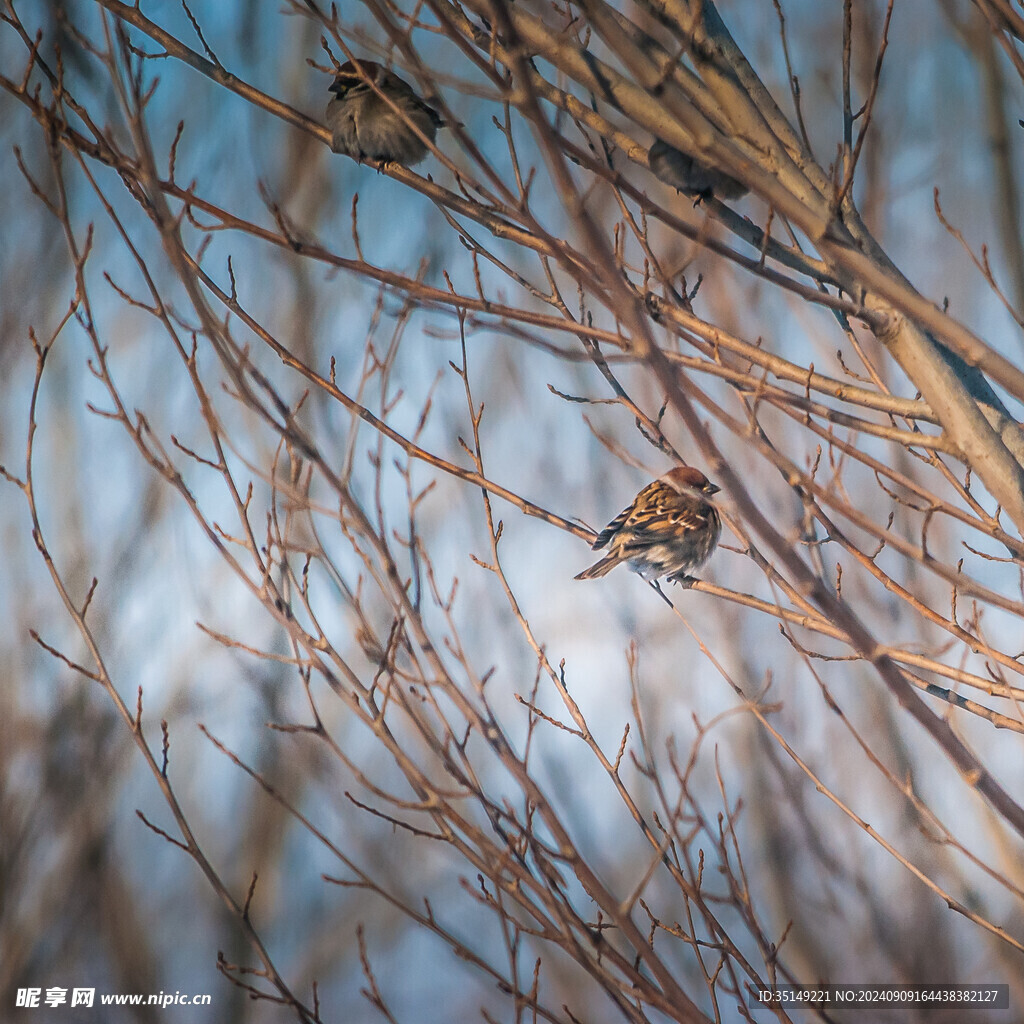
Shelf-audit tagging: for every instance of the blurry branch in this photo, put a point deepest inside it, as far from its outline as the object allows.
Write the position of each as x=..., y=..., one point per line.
x=1006, y=25
x=499, y=227
x=359, y=877
x=469, y=476
x=975, y=419
x=78, y=612
x=716, y=337
x=984, y=432
x=455, y=775
x=1006, y=194
x=411, y=449
x=859, y=637
x=424, y=294
x=671, y=998
x=621, y=918
x=678, y=390
x=821, y=787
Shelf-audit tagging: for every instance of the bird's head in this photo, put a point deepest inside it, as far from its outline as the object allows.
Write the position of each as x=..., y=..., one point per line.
x=348, y=76
x=690, y=480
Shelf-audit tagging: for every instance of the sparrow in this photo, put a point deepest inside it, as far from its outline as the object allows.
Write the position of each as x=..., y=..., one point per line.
x=669, y=530
x=687, y=174
x=365, y=126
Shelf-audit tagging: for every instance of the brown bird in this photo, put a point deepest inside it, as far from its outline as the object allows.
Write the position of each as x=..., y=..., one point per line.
x=669, y=530
x=687, y=174
x=365, y=126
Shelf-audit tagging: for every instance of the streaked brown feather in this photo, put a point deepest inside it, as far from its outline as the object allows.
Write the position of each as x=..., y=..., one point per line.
x=669, y=529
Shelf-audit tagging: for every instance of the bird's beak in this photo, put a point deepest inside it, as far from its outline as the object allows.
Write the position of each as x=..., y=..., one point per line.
x=336, y=86
x=713, y=488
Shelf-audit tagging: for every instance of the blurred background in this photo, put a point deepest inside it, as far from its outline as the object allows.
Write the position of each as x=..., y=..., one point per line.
x=287, y=591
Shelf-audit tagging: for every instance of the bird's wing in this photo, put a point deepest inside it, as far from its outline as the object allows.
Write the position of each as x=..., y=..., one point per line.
x=406, y=91
x=663, y=516
x=614, y=526
x=673, y=522
x=653, y=495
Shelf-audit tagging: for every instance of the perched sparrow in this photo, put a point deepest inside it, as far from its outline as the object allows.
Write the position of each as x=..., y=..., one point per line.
x=687, y=174
x=365, y=126
x=670, y=529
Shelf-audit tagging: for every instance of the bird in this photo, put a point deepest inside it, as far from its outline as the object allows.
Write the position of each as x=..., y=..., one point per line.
x=365, y=126
x=670, y=529
x=687, y=174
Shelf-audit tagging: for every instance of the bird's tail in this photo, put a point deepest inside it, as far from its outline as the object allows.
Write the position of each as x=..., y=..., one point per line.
x=599, y=569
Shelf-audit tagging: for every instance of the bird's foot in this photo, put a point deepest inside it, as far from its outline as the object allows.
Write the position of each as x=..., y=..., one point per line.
x=683, y=580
